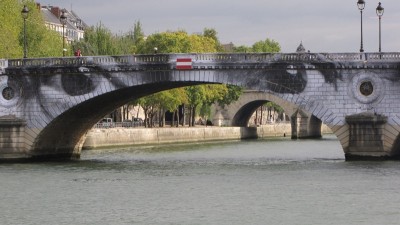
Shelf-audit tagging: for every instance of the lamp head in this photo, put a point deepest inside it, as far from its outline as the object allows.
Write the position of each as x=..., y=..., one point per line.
x=379, y=10
x=63, y=18
x=361, y=4
x=25, y=12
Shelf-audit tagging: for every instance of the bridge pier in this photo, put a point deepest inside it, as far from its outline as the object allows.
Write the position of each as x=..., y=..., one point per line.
x=366, y=137
x=12, y=138
x=305, y=126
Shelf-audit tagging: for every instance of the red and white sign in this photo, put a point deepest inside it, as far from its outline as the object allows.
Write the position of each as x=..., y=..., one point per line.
x=184, y=64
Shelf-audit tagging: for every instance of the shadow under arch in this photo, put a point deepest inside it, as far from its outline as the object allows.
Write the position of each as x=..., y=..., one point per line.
x=242, y=116
x=66, y=134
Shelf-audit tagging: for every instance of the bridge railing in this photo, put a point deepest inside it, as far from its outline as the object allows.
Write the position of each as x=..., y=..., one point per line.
x=387, y=56
x=200, y=58
x=86, y=60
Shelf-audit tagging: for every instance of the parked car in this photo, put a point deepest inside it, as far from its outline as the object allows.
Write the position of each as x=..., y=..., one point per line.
x=127, y=123
x=137, y=122
x=106, y=123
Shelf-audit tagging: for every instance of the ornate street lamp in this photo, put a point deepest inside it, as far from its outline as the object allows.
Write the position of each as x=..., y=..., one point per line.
x=155, y=50
x=379, y=12
x=361, y=6
x=63, y=20
x=24, y=13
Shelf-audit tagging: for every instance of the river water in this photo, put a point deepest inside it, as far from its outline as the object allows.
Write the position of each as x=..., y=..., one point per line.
x=249, y=182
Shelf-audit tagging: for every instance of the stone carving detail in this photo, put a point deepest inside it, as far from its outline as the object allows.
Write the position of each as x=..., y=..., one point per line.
x=10, y=92
x=367, y=89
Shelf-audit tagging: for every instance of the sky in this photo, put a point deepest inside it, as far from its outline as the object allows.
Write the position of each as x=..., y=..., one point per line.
x=321, y=25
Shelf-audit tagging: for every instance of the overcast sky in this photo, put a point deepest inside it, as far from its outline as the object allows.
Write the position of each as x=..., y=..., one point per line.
x=322, y=25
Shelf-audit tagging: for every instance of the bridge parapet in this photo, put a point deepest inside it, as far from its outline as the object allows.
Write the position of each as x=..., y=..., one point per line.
x=214, y=58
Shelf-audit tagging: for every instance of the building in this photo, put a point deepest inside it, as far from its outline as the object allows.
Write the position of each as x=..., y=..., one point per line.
x=74, y=28
x=301, y=48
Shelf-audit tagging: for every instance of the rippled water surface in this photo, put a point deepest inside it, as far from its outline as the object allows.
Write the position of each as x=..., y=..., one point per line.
x=250, y=182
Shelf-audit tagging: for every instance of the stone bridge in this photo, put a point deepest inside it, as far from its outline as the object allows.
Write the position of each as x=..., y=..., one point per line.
x=48, y=104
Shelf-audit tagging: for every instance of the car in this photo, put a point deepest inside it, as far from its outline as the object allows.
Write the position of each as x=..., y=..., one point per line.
x=127, y=123
x=137, y=121
x=106, y=123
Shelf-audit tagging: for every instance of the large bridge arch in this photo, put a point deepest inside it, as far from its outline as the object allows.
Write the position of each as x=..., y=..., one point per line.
x=64, y=136
x=344, y=91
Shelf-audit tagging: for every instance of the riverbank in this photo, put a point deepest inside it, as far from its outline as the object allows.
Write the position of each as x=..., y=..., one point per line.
x=100, y=138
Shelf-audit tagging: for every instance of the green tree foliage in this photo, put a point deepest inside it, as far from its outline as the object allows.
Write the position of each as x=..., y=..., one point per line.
x=267, y=45
x=242, y=49
x=213, y=34
x=275, y=107
x=196, y=97
x=41, y=42
x=176, y=42
x=232, y=94
x=11, y=26
x=98, y=40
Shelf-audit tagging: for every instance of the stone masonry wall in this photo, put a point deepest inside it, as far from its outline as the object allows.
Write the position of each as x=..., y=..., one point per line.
x=98, y=138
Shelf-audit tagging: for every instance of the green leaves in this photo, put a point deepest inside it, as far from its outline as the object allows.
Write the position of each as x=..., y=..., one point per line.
x=267, y=45
x=41, y=42
x=177, y=42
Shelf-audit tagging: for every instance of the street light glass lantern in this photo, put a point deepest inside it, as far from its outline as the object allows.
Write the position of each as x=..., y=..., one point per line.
x=361, y=4
x=63, y=18
x=25, y=12
x=379, y=10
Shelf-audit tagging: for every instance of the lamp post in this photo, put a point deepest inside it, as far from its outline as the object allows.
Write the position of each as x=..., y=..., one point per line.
x=361, y=6
x=155, y=50
x=63, y=20
x=379, y=12
x=24, y=13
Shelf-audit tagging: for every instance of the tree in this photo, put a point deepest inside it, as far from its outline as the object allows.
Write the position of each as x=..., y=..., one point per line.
x=171, y=100
x=138, y=35
x=213, y=34
x=41, y=42
x=232, y=94
x=267, y=45
x=176, y=42
x=242, y=49
x=195, y=96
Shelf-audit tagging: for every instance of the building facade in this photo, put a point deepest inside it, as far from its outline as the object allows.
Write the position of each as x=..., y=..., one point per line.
x=74, y=29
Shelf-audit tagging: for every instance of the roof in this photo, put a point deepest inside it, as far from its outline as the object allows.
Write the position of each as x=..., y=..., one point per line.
x=49, y=16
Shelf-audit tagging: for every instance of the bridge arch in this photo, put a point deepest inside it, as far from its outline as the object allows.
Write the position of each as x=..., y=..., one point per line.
x=238, y=113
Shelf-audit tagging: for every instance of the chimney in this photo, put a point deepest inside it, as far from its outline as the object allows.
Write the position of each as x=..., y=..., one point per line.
x=56, y=11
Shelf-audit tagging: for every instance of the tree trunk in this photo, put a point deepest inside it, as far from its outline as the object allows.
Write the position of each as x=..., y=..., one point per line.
x=138, y=108
x=177, y=117
x=183, y=115
x=173, y=119
x=193, y=115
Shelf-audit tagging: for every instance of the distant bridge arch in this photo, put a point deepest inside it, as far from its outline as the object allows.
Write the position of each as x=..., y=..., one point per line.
x=239, y=112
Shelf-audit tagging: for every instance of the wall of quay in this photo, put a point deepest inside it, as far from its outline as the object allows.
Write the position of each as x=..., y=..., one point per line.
x=113, y=137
